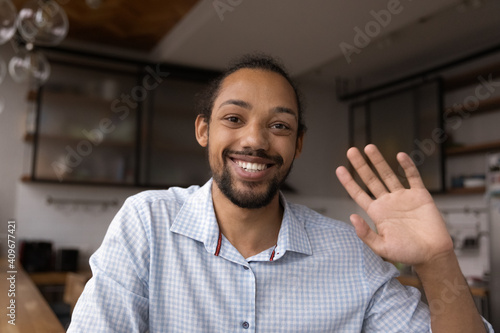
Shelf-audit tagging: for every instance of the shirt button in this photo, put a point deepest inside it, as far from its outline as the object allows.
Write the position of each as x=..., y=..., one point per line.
x=246, y=268
x=245, y=325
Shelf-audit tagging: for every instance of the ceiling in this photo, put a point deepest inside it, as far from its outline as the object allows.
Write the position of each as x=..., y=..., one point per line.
x=306, y=35
x=128, y=24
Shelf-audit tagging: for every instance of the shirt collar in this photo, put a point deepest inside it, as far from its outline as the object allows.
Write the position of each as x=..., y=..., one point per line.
x=197, y=220
x=293, y=234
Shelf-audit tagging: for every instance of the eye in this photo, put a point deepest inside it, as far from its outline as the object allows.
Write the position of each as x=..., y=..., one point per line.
x=280, y=126
x=233, y=119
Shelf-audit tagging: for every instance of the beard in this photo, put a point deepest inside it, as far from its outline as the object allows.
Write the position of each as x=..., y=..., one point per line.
x=250, y=199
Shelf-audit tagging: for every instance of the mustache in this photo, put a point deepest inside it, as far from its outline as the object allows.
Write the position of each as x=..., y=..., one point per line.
x=277, y=159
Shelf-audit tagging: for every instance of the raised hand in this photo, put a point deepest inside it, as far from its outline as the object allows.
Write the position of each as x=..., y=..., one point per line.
x=409, y=225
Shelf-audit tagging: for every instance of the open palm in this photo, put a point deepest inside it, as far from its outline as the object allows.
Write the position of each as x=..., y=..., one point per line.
x=409, y=225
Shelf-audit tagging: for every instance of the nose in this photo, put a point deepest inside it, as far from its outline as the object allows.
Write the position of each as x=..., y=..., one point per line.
x=255, y=137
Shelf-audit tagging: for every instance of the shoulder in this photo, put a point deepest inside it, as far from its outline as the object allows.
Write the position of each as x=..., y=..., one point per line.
x=320, y=225
x=172, y=195
x=154, y=207
x=328, y=236
x=154, y=202
x=339, y=240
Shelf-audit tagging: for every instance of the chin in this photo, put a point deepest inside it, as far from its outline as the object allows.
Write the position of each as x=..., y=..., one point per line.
x=254, y=195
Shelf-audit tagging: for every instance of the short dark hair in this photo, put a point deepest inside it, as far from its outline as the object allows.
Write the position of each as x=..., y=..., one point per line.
x=253, y=61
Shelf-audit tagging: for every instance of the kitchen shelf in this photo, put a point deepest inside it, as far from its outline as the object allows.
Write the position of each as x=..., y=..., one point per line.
x=472, y=149
x=466, y=190
x=178, y=149
x=489, y=105
x=79, y=98
x=26, y=178
x=28, y=137
x=107, y=183
x=94, y=181
x=153, y=136
x=32, y=96
x=471, y=77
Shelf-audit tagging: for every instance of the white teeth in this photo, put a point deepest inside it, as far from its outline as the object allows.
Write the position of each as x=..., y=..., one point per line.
x=252, y=167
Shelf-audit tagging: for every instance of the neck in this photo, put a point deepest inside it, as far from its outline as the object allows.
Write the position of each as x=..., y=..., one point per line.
x=250, y=231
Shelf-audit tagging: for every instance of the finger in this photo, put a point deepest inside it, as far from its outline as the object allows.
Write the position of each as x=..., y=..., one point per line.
x=366, y=234
x=354, y=190
x=384, y=170
x=411, y=171
x=366, y=173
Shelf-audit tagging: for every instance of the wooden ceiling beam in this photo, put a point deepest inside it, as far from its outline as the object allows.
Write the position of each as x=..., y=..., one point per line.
x=132, y=24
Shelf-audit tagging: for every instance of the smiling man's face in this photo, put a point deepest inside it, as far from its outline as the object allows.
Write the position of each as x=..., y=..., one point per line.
x=252, y=136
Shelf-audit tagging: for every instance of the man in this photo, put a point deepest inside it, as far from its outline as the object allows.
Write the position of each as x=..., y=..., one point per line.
x=234, y=255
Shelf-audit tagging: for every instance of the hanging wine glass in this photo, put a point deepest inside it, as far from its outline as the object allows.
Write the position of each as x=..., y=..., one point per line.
x=3, y=70
x=7, y=20
x=29, y=65
x=42, y=22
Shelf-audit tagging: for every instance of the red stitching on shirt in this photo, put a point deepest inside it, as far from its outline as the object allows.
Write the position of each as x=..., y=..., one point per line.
x=272, y=255
x=219, y=242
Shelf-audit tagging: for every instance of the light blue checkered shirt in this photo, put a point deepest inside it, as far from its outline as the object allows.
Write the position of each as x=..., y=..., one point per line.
x=157, y=271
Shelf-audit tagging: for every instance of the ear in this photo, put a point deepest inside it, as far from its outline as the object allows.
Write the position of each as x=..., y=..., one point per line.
x=298, y=147
x=201, y=128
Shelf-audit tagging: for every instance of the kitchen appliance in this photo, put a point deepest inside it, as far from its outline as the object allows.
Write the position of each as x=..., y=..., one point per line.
x=36, y=256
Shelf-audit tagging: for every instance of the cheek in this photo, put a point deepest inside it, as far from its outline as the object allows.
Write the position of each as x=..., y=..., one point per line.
x=287, y=151
x=214, y=151
x=224, y=139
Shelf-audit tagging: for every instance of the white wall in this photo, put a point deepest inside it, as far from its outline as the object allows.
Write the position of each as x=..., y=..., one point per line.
x=325, y=143
x=67, y=225
x=12, y=148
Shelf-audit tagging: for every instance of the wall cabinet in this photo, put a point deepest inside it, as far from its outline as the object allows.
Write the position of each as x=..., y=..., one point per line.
x=403, y=120
x=108, y=122
x=446, y=120
x=80, y=136
x=171, y=153
x=472, y=123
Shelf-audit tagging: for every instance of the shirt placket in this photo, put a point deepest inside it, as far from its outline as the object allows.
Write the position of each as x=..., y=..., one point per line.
x=248, y=306
x=246, y=318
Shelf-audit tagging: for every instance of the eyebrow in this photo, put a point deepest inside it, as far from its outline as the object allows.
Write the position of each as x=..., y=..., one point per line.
x=281, y=109
x=248, y=106
x=237, y=102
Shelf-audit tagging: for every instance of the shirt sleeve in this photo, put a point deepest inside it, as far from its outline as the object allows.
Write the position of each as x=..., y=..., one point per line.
x=116, y=297
x=394, y=307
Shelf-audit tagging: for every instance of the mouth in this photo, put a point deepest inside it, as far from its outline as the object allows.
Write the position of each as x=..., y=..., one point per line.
x=251, y=167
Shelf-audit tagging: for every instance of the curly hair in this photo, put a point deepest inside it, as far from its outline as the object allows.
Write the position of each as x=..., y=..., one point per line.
x=253, y=61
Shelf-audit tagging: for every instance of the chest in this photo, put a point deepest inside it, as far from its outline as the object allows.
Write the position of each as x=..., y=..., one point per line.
x=195, y=291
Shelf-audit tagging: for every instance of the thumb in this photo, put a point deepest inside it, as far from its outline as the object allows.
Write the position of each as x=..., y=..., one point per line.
x=366, y=234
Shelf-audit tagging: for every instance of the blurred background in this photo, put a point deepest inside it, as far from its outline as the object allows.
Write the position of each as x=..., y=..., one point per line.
x=97, y=103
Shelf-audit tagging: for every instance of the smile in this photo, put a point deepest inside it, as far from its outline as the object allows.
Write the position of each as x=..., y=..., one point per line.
x=251, y=167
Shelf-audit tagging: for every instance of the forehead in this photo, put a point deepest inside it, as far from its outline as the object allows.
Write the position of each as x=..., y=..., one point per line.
x=260, y=84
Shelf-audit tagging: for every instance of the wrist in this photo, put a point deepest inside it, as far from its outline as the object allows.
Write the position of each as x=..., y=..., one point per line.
x=439, y=267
